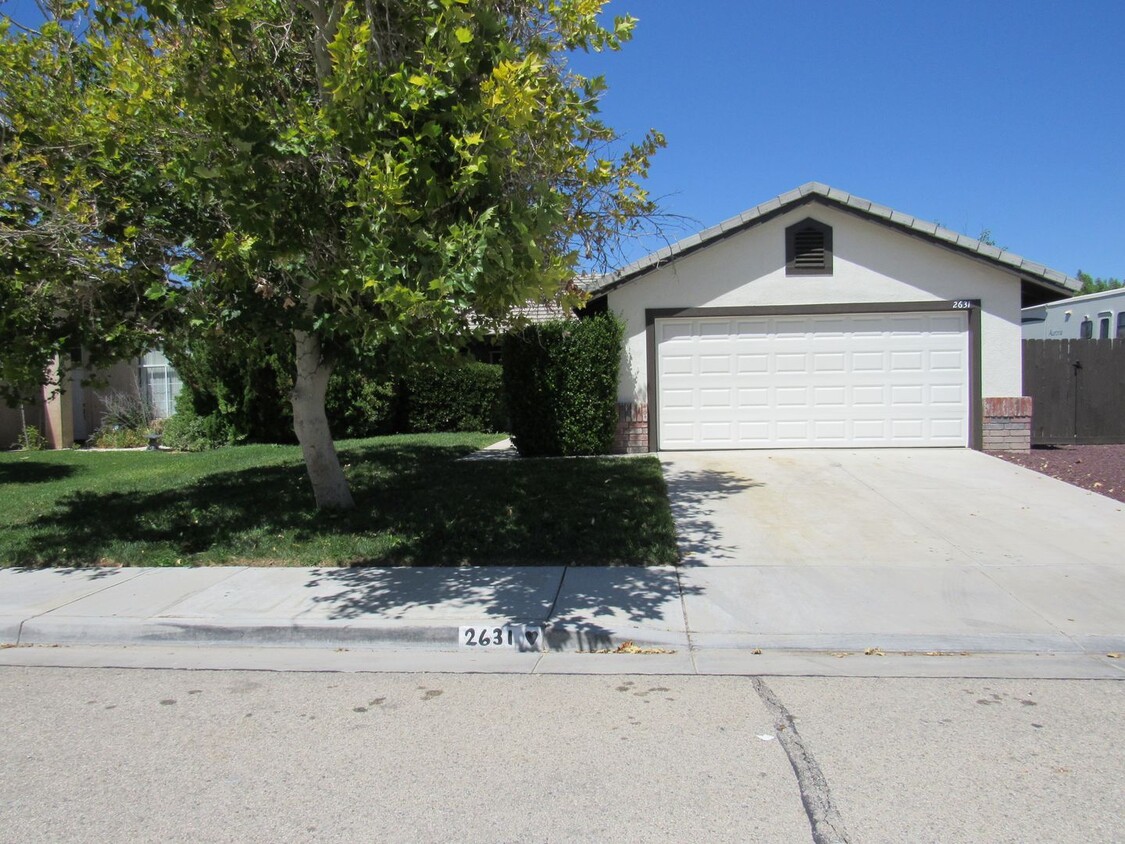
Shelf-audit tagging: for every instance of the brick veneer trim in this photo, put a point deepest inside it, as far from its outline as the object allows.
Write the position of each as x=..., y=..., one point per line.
x=632, y=428
x=1006, y=425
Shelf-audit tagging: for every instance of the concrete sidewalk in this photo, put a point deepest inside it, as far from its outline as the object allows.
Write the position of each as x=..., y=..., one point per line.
x=404, y=619
x=581, y=609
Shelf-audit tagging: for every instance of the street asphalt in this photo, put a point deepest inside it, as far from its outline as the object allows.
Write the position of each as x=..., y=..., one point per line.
x=231, y=756
x=914, y=562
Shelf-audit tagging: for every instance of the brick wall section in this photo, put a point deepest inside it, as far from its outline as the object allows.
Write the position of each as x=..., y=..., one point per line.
x=1006, y=425
x=632, y=428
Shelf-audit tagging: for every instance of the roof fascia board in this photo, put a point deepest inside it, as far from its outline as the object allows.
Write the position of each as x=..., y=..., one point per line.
x=957, y=246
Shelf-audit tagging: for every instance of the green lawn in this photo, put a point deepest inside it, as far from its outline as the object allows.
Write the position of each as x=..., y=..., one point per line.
x=416, y=505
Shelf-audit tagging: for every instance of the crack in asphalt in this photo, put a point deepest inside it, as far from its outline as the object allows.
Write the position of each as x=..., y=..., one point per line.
x=824, y=818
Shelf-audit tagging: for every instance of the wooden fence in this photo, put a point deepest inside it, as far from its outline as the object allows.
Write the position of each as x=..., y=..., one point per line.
x=1078, y=388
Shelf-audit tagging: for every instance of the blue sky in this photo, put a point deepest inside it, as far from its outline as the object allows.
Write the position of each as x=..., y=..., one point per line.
x=1008, y=116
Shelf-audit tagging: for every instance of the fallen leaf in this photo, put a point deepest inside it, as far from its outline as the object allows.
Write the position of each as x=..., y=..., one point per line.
x=873, y=652
x=630, y=648
x=841, y=654
x=756, y=651
x=1114, y=655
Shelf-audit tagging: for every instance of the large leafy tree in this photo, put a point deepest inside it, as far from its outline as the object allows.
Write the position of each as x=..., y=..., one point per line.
x=337, y=175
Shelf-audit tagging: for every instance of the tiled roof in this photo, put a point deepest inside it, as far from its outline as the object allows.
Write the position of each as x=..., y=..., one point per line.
x=1053, y=279
x=536, y=312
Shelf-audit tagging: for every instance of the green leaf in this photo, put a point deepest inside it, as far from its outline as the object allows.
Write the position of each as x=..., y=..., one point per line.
x=464, y=34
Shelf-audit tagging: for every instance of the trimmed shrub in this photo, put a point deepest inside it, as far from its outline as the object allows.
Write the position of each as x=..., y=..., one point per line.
x=560, y=381
x=469, y=397
x=240, y=379
x=358, y=405
x=189, y=430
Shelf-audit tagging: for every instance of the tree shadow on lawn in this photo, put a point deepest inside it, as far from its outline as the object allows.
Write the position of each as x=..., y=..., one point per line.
x=415, y=506
x=28, y=471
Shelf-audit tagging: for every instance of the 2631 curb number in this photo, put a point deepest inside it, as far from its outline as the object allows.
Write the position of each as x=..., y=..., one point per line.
x=524, y=637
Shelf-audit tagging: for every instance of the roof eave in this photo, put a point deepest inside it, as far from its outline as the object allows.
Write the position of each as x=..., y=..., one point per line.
x=1037, y=274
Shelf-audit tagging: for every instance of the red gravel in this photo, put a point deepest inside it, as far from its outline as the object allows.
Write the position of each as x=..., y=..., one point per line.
x=1100, y=468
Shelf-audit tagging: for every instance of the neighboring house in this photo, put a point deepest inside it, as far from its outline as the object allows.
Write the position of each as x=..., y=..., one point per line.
x=490, y=349
x=73, y=413
x=822, y=320
x=1095, y=316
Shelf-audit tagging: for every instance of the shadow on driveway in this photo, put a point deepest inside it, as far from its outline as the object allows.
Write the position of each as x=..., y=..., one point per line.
x=691, y=494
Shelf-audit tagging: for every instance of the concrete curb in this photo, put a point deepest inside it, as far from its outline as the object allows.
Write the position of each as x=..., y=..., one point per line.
x=373, y=635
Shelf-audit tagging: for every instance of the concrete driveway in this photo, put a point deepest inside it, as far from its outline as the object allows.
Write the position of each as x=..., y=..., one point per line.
x=910, y=549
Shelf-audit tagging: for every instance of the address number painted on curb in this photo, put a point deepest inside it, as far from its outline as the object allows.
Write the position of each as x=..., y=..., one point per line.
x=521, y=637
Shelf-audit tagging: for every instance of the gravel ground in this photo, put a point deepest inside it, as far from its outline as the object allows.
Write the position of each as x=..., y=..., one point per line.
x=1100, y=468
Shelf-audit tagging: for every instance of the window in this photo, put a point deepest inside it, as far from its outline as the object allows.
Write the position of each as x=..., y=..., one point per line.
x=1086, y=330
x=160, y=384
x=1121, y=326
x=1103, y=327
x=808, y=248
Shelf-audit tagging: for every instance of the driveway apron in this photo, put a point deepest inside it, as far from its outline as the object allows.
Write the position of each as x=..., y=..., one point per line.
x=912, y=549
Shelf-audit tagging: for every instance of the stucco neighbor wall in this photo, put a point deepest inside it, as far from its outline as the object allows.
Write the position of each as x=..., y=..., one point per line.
x=871, y=263
x=72, y=413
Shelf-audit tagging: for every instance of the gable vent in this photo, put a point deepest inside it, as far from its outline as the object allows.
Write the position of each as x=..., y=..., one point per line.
x=808, y=248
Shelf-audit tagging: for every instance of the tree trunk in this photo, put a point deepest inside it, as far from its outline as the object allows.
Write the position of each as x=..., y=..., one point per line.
x=310, y=424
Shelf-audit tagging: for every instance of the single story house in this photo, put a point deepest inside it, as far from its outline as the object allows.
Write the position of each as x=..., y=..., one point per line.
x=823, y=320
x=1095, y=316
x=71, y=414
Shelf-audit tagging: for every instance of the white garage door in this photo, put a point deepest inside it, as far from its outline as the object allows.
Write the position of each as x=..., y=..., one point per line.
x=848, y=380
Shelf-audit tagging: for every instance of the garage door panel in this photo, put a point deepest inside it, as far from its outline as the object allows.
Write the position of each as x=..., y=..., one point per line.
x=672, y=364
x=947, y=360
x=907, y=394
x=713, y=364
x=945, y=394
x=715, y=397
x=907, y=361
x=806, y=381
x=825, y=362
x=836, y=396
x=868, y=362
x=676, y=399
x=751, y=398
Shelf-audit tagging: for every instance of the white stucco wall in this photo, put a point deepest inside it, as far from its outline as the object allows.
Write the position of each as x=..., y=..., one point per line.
x=871, y=263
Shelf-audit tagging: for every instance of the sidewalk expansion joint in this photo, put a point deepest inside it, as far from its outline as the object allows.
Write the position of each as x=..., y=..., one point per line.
x=108, y=586
x=687, y=622
x=558, y=592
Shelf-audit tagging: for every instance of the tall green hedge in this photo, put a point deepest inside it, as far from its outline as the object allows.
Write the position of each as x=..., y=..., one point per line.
x=469, y=397
x=560, y=381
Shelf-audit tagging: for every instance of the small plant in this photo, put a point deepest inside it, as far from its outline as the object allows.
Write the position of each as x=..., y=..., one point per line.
x=118, y=437
x=30, y=439
x=127, y=410
x=127, y=420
